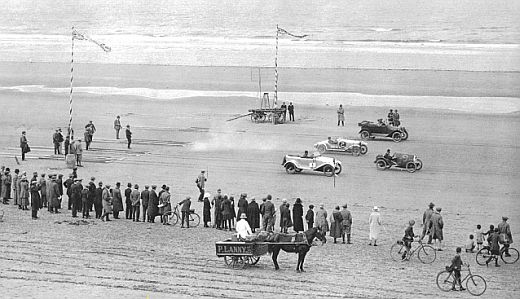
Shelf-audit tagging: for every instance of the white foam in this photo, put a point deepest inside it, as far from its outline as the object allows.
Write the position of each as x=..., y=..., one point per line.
x=493, y=105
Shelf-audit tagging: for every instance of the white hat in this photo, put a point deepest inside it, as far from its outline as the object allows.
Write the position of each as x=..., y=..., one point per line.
x=376, y=208
x=243, y=216
x=207, y=195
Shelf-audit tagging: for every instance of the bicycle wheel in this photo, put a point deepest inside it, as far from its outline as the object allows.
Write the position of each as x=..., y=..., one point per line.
x=482, y=256
x=171, y=218
x=396, y=252
x=194, y=220
x=476, y=285
x=426, y=254
x=512, y=258
x=445, y=281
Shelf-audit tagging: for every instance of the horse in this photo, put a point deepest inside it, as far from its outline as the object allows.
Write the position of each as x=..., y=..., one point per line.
x=301, y=249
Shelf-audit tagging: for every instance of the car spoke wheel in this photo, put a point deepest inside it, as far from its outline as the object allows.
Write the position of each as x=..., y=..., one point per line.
x=290, y=168
x=427, y=254
x=322, y=148
x=445, y=281
x=482, y=256
x=328, y=170
x=476, y=285
x=410, y=167
x=396, y=136
x=512, y=258
x=338, y=169
x=404, y=135
x=364, y=135
x=418, y=164
x=364, y=149
x=381, y=164
x=396, y=252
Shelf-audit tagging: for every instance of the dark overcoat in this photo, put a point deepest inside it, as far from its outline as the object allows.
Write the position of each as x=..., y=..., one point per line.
x=206, y=211
x=153, y=204
x=117, y=200
x=298, y=217
x=253, y=214
x=35, y=197
x=242, y=206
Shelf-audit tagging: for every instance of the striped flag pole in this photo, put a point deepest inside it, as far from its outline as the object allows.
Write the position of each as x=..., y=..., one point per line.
x=71, y=82
x=276, y=69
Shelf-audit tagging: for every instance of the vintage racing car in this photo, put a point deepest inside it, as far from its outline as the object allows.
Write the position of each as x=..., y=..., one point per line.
x=327, y=165
x=371, y=130
x=341, y=144
x=405, y=161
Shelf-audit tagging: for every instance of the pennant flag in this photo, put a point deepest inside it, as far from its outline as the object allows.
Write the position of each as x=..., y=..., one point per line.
x=80, y=36
x=283, y=31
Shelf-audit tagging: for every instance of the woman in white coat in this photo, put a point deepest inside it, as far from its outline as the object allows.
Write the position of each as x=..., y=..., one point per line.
x=375, y=226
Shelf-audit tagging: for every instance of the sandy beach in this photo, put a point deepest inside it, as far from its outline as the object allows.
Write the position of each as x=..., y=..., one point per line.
x=471, y=170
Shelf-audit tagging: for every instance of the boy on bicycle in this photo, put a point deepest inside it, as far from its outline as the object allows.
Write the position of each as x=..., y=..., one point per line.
x=408, y=238
x=456, y=264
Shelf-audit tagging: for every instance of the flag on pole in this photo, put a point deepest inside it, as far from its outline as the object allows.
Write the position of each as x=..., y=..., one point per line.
x=283, y=31
x=80, y=36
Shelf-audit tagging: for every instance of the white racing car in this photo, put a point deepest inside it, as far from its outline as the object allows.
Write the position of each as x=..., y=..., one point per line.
x=339, y=144
x=327, y=165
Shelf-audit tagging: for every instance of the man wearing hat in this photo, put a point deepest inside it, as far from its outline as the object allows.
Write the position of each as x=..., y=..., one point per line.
x=436, y=228
x=76, y=196
x=35, y=200
x=153, y=204
x=185, y=210
x=201, y=182
x=24, y=145
x=253, y=215
x=54, y=195
x=107, y=203
x=91, y=193
x=346, y=223
x=135, y=198
x=68, y=184
x=206, y=210
x=426, y=222
x=242, y=204
x=145, y=198
x=117, y=125
x=217, y=205
x=117, y=200
x=505, y=235
x=268, y=218
x=128, y=135
x=242, y=227
x=98, y=200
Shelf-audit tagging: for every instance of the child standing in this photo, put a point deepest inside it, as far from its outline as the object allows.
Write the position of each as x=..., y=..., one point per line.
x=408, y=239
x=489, y=233
x=456, y=264
x=480, y=237
x=470, y=244
x=309, y=217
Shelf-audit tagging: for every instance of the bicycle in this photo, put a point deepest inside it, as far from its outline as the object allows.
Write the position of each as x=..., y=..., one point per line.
x=172, y=217
x=475, y=284
x=484, y=254
x=425, y=253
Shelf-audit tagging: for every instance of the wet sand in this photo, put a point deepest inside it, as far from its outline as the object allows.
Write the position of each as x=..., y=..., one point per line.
x=470, y=170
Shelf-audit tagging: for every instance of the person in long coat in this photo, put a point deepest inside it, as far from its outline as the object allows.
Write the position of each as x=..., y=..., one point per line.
x=153, y=204
x=242, y=204
x=233, y=212
x=117, y=200
x=285, y=216
x=226, y=212
x=35, y=199
x=336, y=224
x=165, y=200
x=253, y=215
x=217, y=206
x=347, y=224
x=206, y=210
x=298, y=215
x=43, y=191
x=427, y=215
x=6, y=185
x=375, y=224
x=54, y=196
x=16, y=187
x=24, y=193
x=145, y=199
x=309, y=217
x=436, y=226
x=106, y=197
x=321, y=219
x=98, y=200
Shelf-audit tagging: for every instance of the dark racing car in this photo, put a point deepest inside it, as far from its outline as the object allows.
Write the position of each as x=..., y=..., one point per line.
x=380, y=129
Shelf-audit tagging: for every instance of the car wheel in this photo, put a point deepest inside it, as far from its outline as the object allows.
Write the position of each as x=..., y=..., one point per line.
x=364, y=135
x=328, y=170
x=381, y=164
x=404, y=135
x=396, y=136
x=290, y=168
x=322, y=148
x=410, y=167
x=338, y=169
x=418, y=164
x=364, y=149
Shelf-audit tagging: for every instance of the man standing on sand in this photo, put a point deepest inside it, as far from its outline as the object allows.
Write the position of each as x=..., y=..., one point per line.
x=397, y=123
x=128, y=201
x=91, y=129
x=185, y=210
x=291, y=111
x=76, y=197
x=426, y=222
x=346, y=223
x=201, y=182
x=436, y=226
x=91, y=193
x=341, y=115
x=128, y=135
x=268, y=219
x=117, y=200
x=107, y=203
x=24, y=145
x=390, y=117
x=68, y=184
x=153, y=204
x=217, y=212
x=98, y=201
x=117, y=126
x=145, y=198
x=79, y=152
x=56, y=142
x=135, y=198
x=284, y=107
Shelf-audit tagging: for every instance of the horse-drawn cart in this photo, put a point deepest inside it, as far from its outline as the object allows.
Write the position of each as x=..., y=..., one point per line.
x=238, y=254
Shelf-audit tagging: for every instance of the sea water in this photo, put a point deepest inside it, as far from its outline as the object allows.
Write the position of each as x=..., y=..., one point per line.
x=474, y=35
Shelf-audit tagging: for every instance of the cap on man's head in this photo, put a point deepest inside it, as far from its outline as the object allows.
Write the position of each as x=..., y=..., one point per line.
x=100, y=183
x=505, y=218
x=431, y=205
x=202, y=171
x=438, y=209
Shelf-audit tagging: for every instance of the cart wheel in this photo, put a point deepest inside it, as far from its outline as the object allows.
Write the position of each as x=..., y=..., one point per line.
x=238, y=262
x=253, y=260
x=228, y=260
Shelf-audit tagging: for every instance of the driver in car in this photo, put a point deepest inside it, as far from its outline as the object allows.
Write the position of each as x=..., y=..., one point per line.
x=389, y=157
x=306, y=155
x=331, y=141
x=380, y=122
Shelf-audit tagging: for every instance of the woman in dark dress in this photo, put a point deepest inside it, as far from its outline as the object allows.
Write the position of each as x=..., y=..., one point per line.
x=206, y=214
x=35, y=200
x=298, y=215
x=226, y=212
x=253, y=215
x=336, y=220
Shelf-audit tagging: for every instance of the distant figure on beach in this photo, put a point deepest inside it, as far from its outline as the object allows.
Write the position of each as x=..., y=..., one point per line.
x=91, y=129
x=128, y=135
x=88, y=139
x=390, y=117
x=341, y=115
x=436, y=229
x=397, y=123
x=291, y=111
x=309, y=217
x=427, y=215
x=79, y=152
x=57, y=139
x=24, y=145
x=375, y=226
x=117, y=126
x=347, y=224
x=201, y=182
x=66, y=145
x=284, y=107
